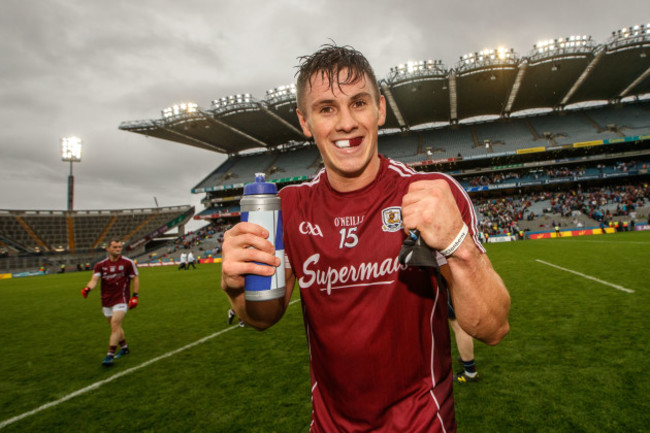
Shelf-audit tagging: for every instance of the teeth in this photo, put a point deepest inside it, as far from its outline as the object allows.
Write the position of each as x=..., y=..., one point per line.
x=342, y=144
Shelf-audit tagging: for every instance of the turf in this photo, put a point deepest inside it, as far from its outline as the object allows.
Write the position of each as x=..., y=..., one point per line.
x=574, y=360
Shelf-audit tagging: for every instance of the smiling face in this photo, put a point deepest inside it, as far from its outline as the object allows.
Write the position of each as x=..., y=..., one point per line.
x=344, y=119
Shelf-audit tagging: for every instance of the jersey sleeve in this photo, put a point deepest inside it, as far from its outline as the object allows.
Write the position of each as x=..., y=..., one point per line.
x=97, y=269
x=133, y=269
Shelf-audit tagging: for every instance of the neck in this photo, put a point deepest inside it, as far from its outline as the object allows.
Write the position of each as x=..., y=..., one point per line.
x=342, y=183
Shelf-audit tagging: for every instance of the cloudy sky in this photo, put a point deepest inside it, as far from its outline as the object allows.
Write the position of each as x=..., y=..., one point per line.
x=81, y=67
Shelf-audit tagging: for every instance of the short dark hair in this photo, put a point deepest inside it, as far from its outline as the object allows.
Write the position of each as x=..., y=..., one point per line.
x=328, y=61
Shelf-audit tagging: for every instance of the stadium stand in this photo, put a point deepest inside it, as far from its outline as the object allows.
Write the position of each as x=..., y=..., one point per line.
x=33, y=238
x=204, y=243
x=504, y=135
x=629, y=119
x=521, y=133
x=564, y=208
x=245, y=167
x=449, y=142
x=399, y=148
x=569, y=116
x=507, y=166
x=296, y=162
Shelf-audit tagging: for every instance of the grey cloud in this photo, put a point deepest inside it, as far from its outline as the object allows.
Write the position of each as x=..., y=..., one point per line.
x=82, y=67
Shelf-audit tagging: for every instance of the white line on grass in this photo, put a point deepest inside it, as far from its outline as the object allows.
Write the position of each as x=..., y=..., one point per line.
x=96, y=385
x=616, y=286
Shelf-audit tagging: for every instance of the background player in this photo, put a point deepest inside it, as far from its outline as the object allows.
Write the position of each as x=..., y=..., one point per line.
x=116, y=273
x=465, y=345
x=378, y=334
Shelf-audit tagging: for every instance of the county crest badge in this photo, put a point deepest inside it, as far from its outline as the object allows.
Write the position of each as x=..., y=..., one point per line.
x=391, y=218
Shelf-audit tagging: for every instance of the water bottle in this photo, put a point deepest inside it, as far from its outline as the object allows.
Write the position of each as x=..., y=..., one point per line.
x=261, y=205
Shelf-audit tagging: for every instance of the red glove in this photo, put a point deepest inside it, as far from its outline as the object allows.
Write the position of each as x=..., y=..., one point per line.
x=85, y=291
x=133, y=302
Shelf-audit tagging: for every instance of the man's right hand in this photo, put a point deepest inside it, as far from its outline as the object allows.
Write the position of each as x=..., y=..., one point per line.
x=246, y=250
x=85, y=291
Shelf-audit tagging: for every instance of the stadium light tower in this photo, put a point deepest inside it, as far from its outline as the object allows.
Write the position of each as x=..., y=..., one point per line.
x=71, y=151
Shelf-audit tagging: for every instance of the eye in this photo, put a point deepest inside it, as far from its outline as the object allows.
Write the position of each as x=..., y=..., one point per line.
x=359, y=103
x=326, y=109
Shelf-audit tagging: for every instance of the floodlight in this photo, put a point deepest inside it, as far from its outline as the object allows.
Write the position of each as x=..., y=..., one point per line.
x=570, y=45
x=71, y=149
x=487, y=57
x=416, y=68
x=630, y=32
x=638, y=35
x=281, y=93
x=240, y=101
x=183, y=108
x=71, y=152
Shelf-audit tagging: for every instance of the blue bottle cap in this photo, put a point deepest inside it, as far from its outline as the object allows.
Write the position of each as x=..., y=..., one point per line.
x=260, y=186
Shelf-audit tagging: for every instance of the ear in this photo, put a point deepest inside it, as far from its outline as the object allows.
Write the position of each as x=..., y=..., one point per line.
x=304, y=124
x=382, y=111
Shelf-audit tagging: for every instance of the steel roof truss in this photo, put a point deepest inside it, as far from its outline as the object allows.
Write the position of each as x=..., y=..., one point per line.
x=393, y=104
x=582, y=78
x=235, y=130
x=453, y=98
x=201, y=143
x=636, y=82
x=515, y=88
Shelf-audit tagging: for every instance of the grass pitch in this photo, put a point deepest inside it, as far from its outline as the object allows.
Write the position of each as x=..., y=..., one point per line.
x=574, y=360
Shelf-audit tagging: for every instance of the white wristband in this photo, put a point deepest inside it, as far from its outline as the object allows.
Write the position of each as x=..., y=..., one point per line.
x=460, y=237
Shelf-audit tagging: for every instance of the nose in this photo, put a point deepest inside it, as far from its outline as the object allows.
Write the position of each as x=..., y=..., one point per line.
x=346, y=120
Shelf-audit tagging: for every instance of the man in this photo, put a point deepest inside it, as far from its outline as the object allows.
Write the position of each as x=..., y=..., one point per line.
x=116, y=273
x=377, y=331
x=231, y=317
x=465, y=345
x=183, y=259
x=190, y=261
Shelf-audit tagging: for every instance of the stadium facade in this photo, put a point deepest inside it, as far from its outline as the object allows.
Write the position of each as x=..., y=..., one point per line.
x=554, y=75
x=570, y=105
x=569, y=101
x=33, y=239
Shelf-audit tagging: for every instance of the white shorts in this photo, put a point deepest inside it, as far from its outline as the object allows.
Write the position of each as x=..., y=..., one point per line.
x=108, y=311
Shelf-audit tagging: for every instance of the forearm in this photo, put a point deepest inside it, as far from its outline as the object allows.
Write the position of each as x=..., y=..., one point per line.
x=480, y=298
x=136, y=285
x=92, y=283
x=257, y=314
x=236, y=298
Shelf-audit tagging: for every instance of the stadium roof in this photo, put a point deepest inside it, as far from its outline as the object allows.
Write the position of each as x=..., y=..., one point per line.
x=554, y=74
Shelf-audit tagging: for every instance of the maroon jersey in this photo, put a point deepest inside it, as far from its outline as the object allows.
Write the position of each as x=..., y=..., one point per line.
x=378, y=335
x=116, y=280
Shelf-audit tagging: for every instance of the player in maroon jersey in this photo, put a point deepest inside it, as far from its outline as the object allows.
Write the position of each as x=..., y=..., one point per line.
x=116, y=273
x=379, y=343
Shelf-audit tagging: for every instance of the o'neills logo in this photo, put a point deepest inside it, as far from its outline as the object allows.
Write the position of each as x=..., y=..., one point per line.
x=348, y=221
x=364, y=274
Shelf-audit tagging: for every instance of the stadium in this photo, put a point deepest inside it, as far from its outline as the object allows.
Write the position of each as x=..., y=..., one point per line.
x=553, y=147
x=569, y=117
